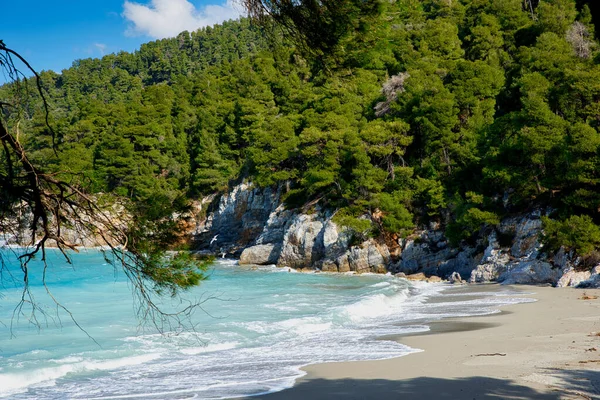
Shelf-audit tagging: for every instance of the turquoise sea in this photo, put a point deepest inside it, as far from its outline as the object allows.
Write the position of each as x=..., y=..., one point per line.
x=255, y=329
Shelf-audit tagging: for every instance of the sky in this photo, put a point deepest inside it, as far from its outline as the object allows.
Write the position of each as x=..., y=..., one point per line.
x=51, y=35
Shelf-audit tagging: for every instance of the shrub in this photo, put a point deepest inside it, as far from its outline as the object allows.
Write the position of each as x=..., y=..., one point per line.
x=361, y=227
x=469, y=223
x=578, y=233
x=397, y=218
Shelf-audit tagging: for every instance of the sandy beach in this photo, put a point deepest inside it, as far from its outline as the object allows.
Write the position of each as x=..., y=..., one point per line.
x=548, y=349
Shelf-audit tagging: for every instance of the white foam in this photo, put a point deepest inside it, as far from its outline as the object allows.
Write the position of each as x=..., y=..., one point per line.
x=375, y=306
x=281, y=307
x=15, y=382
x=226, y=262
x=303, y=326
x=381, y=285
x=209, y=348
x=261, y=344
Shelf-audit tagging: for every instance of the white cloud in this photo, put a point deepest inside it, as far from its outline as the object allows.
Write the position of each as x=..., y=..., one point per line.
x=167, y=18
x=101, y=47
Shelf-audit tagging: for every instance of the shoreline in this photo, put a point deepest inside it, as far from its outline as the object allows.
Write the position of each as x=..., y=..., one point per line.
x=547, y=349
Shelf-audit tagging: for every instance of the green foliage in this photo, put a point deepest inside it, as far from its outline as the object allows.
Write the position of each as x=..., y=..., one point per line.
x=175, y=272
x=396, y=216
x=431, y=110
x=360, y=225
x=469, y=217
x=578, y=232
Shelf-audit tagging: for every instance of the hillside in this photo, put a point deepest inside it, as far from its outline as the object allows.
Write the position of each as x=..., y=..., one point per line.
x=453, y=112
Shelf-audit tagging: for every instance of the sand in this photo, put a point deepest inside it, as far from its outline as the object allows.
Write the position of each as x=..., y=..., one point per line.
x=549, y=349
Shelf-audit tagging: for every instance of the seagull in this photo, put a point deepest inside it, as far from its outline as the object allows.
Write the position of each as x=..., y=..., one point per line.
x=214, y=239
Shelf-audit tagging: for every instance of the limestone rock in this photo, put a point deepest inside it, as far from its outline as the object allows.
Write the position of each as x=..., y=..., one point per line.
x=342, y=263
x=370, y=256
x=417, y=277
x=329, y=266
x=455, y=278
x=526, y=232
x=425, y=255
x=561, y=258
x=571, y=277
x=275, y=227
x=490, y=271
x=298, y=249
x=261, y=254
x=491, y=251
x=593, y=282
x=358, y=259
x=464, y=263
x=239, y=217
x=530, y=272
x=333, y=240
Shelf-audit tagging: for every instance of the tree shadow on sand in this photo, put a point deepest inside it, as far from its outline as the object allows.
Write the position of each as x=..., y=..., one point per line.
x=479, y=388
x=584, y=383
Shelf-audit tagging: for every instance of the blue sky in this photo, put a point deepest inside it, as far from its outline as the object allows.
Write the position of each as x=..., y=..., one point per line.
x=51, y=35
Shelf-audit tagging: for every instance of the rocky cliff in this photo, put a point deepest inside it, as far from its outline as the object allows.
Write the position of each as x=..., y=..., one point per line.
x=252, y=223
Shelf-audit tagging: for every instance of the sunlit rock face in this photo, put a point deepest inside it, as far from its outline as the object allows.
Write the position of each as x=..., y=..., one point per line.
x=252, y=223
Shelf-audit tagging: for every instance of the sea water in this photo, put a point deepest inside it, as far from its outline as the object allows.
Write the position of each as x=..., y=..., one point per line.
x=251, y=334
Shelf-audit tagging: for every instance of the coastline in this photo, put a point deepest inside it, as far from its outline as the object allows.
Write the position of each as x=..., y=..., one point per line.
x=548, y=349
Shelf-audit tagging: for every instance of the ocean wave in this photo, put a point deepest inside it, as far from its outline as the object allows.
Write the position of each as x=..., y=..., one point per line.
x=375, y=306
x=15, y=382
x=209, y=348
x=279, y=324
x=383, y=284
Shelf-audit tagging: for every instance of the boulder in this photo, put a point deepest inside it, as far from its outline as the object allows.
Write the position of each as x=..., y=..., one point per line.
x=594, y=281
x=491, y=271
x=417, y=277
x=261, y=254
x=530, y=272
x=571, y=277
x=455, y=278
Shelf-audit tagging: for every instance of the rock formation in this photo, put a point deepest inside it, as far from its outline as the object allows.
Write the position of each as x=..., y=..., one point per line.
x=252, y=223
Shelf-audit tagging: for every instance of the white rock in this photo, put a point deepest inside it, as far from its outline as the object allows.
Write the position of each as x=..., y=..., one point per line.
x=573, y=278
x=261, y=254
